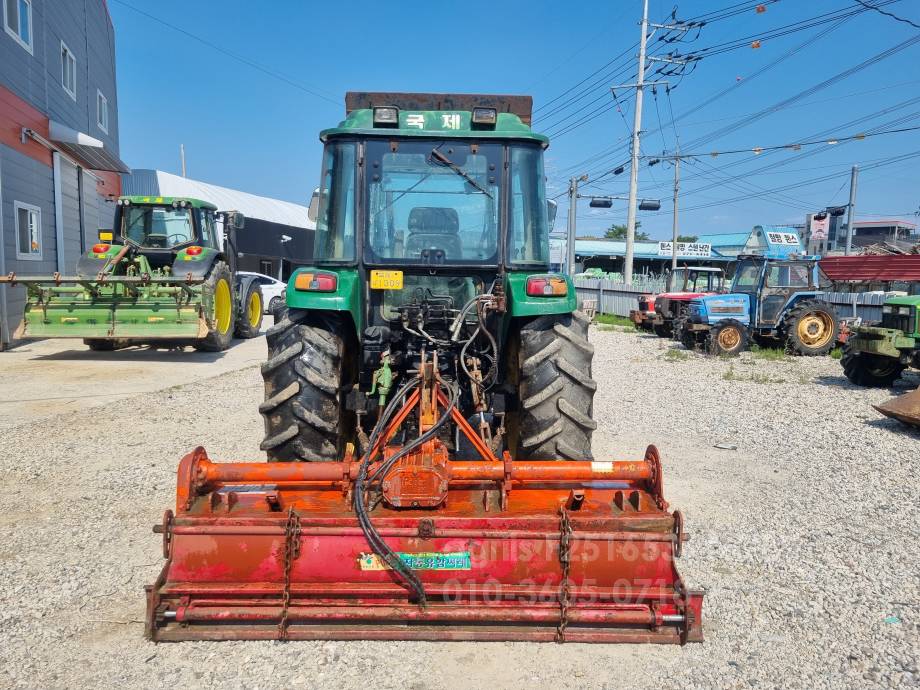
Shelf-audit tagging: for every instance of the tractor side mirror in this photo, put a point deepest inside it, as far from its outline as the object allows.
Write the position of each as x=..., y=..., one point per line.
x=551, y=208
x=313, y=210
x=237, y=220
x=105, y=235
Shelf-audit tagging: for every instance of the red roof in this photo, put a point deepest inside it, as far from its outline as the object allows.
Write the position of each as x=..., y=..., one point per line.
x=900, y=267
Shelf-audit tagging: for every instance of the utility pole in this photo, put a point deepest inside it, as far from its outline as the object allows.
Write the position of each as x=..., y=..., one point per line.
x=182, y=156
x=634, y=166
x=851, y=210
x=570, y=230
x=674, y=221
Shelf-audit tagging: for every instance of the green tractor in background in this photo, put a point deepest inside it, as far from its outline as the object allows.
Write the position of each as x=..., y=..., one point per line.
x=432, y=246
x=876, y=355
x=163, y=275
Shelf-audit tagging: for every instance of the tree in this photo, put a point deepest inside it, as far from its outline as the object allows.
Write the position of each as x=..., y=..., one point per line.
x=686, y=238
x=618, y=232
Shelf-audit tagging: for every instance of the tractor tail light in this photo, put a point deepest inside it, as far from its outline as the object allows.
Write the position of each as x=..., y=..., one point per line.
x=193, y=251
x=101, y=248
x=546, y=286
x=316, y=282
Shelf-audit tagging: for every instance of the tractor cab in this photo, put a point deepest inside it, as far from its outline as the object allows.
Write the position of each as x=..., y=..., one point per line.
x=425, y=202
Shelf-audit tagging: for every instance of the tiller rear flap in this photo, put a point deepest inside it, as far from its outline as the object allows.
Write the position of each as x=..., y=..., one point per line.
x=403, y=543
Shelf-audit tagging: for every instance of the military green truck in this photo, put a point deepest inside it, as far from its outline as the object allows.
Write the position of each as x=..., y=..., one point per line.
x=166, y=272
x=876, y=355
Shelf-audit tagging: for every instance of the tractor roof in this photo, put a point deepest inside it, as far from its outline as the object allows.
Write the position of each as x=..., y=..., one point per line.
x=437, y=115
x=168, y=201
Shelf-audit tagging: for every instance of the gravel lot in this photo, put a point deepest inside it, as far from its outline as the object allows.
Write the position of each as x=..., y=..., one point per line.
x=804, y=537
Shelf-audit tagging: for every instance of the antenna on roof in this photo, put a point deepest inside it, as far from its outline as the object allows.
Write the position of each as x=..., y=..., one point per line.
x=182, y=157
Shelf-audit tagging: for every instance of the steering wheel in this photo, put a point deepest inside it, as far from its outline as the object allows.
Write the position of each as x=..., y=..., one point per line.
x=179, y=239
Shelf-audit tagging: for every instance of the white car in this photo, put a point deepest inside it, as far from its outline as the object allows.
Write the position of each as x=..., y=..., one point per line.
x=272, y=290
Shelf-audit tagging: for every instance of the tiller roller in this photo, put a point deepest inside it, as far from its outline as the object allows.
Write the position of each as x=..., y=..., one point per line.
x=404, y=543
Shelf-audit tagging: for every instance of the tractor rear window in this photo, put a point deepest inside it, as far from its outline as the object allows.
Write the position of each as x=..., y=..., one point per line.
x=432, y=202
x=157, y=227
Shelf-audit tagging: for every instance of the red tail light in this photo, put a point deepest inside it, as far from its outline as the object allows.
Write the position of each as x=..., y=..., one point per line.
x=194, y=251
x=546, y=286
x=101, y=248
x=316, y=282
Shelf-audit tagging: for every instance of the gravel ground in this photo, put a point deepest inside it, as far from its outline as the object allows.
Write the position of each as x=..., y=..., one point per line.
x=804, y=537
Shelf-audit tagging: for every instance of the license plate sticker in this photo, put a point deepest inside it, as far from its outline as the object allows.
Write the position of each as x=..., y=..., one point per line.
x=386, y=280
x=457, y=560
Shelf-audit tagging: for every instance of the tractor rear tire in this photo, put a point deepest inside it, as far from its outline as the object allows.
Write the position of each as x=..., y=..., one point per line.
x=729, y=338
x=219, y=285
x=811, y=328
x=303, y=409
x=870, y=370
x=252, y=307
x=662, y=330
x=555, y=389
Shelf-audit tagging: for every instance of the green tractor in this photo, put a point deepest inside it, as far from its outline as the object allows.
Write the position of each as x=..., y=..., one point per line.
x=876, y=355
x=431, y=250
x=162, y=275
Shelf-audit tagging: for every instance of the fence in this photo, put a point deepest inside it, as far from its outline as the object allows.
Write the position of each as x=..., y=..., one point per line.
x=621, y=298
x=616, y=298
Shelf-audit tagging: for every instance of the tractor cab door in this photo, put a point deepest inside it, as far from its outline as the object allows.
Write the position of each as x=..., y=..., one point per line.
x=781, y=281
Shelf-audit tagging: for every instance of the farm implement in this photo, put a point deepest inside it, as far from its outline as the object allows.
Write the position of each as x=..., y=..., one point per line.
x=164, y=277
x=428, y=418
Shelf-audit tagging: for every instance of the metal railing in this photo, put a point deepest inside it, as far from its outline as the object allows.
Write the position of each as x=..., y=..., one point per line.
x=616, y=298
x=620, y=298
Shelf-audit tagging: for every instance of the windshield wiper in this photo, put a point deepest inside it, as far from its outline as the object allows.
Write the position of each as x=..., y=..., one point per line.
x=441, y=158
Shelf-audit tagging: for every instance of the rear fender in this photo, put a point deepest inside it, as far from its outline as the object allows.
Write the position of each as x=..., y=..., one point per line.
x=195, y=265
x=522, y=304
x=345, y=298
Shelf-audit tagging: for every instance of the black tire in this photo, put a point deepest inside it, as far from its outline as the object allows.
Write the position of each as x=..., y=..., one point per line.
x=274, y=305
x=729, y=337
x=677, y=329
x=799, y=320
x=303, y=411
x=868, y=369
x=688, y=338
x=99, y=344
x=245, y=328
x=662, y=330
x=555, y=389
x=217, y=338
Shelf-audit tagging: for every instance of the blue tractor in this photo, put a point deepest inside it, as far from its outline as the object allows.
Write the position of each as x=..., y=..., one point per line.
x=772, y=301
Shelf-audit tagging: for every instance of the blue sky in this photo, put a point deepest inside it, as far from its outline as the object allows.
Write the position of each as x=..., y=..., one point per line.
x=246, y=129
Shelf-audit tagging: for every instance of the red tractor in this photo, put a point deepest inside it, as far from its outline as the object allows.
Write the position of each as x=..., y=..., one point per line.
x=684, y=284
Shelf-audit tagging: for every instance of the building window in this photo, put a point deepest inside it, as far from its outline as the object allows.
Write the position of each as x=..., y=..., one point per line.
x=28, y=231
x=17, y=19
x=102, y=112
x=68, y=71
x=265, y=267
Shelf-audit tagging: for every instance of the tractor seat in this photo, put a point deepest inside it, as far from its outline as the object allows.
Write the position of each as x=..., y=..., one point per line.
x=434, y=228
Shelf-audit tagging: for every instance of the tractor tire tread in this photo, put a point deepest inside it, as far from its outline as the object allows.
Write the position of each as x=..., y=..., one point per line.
x=303, y=377
x=556, y=390
x=793, y=344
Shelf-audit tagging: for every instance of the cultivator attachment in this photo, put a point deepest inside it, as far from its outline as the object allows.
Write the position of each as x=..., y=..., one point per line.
x=404, y=543
x=146, y=306
x=904, y=408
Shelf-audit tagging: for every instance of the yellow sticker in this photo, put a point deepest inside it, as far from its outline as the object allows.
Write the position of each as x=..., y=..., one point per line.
x=386, y=280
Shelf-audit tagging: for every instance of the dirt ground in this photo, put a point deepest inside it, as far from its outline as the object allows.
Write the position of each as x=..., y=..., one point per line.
x=804, y=536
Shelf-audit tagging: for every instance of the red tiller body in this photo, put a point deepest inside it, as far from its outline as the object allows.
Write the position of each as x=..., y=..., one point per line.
x=542, y=551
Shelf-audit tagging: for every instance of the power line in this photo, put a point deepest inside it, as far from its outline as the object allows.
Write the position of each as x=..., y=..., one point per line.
x=887, y=14
x=239, y=58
